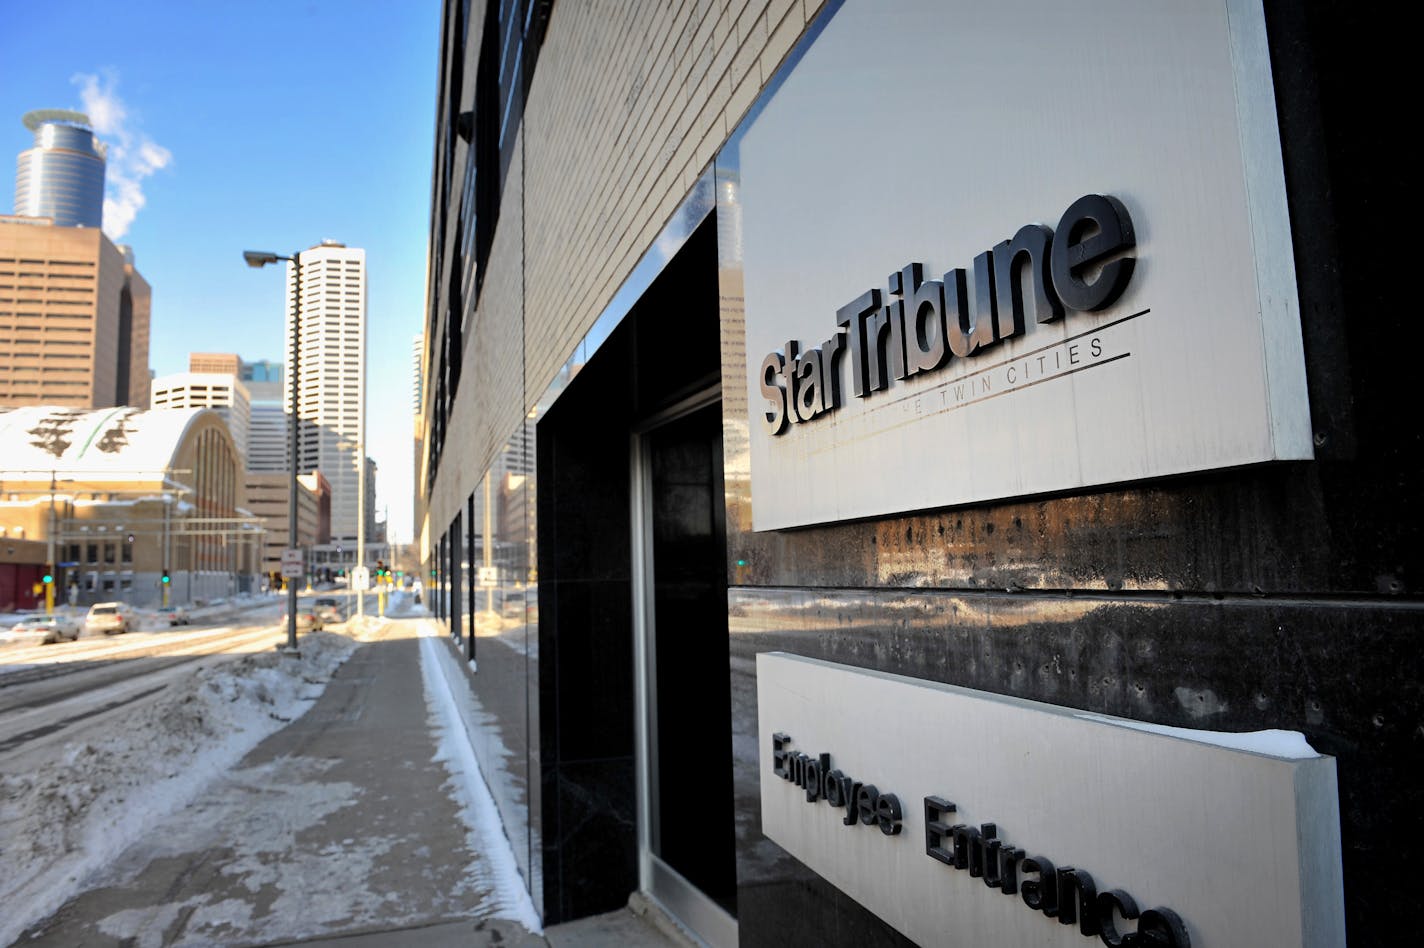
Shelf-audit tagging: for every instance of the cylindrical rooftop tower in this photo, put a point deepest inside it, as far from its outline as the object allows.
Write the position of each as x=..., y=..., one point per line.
x=63, y=175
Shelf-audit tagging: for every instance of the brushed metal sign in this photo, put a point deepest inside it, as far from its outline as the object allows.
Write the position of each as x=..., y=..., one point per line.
x=927, y=326
x=963, y=817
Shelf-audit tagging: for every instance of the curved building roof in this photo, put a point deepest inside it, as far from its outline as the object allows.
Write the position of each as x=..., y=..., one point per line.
x=117, y=443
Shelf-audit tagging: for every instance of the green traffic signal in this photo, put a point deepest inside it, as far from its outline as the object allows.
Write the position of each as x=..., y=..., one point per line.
x=165, y=577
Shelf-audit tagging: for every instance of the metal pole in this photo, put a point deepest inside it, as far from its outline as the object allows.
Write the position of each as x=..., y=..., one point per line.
x=167, y=512
x=489, y=543
x=49, y=551
x=296, y=260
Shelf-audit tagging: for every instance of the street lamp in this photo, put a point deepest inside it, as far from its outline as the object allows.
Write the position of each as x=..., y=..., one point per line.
x=258, y=259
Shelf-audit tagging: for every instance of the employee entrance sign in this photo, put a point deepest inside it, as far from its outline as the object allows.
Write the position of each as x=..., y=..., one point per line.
x=963, y=817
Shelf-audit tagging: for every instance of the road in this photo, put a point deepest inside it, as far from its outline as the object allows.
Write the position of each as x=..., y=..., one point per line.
x=52, y=693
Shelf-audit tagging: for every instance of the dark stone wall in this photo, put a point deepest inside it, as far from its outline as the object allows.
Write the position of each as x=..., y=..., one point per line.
x=586, y=766
x=665, y=348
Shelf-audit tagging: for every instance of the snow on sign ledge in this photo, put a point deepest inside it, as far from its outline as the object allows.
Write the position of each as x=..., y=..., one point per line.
x=1006, y=821
x=1288, y=745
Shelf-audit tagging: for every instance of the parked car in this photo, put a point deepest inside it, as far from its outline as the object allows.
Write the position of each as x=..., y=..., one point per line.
x=307, y=621
x=111, y=618
x=329, y=610
x=50, y=629
x=173, y=615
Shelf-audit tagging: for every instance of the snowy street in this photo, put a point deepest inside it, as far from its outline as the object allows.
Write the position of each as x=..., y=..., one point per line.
x=259, y=800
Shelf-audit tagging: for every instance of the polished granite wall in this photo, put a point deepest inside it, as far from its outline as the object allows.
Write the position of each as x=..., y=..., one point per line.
x=1282, y=596
x=664, y=348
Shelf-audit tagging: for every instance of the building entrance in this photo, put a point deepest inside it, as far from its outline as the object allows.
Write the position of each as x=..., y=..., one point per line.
x=686, y=821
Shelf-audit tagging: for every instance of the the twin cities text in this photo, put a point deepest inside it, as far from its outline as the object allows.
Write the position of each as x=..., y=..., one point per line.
x=919, y=325
x=1065, y=893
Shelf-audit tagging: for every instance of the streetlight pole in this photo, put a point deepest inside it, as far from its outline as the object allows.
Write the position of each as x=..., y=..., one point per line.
x=258, y=259
x=49, y=551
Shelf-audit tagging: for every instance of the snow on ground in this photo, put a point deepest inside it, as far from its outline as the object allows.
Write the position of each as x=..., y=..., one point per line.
x=497, y=869
x=63, y=822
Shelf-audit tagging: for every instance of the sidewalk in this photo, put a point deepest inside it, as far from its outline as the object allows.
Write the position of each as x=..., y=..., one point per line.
x=339, y=829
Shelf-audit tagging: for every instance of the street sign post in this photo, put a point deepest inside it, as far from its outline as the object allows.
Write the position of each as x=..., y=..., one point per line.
x=489, y=576
x=292, y=563
x=360, y=578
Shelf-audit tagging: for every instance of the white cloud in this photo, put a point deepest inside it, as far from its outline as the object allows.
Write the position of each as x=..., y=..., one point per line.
x=132, y=156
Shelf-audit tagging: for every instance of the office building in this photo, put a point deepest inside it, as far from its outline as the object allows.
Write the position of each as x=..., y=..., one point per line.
x=268, y=440
x=135, y=320
x=268, y=498
x=62, y=176
x=221, y=392
x=417, y=352
x=417, y=424
x=221, y=363
x=74, y=318
x=973, y=465
x=332, y=342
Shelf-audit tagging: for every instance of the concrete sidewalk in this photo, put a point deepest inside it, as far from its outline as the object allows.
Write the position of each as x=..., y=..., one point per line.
x=338, y=829
x=641, y=925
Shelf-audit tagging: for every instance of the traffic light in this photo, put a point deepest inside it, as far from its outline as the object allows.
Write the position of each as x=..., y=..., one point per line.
x=48, y=576
x=165, y=577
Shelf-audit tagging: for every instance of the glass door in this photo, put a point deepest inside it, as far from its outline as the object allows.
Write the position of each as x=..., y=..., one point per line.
x=686, y=826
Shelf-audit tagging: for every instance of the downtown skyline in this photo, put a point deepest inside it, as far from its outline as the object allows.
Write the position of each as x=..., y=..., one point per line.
x=234, y=130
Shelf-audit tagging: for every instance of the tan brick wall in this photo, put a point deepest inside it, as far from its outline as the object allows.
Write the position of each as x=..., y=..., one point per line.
x=630, y=103
x=489, y=403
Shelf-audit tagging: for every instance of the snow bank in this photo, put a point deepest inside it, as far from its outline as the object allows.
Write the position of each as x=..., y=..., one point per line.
x=71, y=816
x=496, y=868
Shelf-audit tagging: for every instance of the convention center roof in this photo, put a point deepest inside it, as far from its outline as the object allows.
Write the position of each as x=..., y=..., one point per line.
x=116, y=443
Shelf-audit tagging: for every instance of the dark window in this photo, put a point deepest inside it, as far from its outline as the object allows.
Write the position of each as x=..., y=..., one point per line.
x=509, y=46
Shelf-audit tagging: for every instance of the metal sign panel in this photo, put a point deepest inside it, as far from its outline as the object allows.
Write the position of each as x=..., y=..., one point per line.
x=292, y=563
x=360, y=578
x=488, y=576
x=994, y=251
x=963, y=817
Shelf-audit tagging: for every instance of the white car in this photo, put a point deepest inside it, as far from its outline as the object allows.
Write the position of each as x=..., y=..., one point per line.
x=56, y=628
x=173, y=615
x=111, y=618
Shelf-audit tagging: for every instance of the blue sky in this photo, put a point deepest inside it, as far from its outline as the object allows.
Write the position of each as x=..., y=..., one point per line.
x=258, y=125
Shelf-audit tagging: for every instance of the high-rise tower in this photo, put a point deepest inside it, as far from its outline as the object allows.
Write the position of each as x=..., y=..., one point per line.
x=331, y=377
x=267, y=440
x=62, y=176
